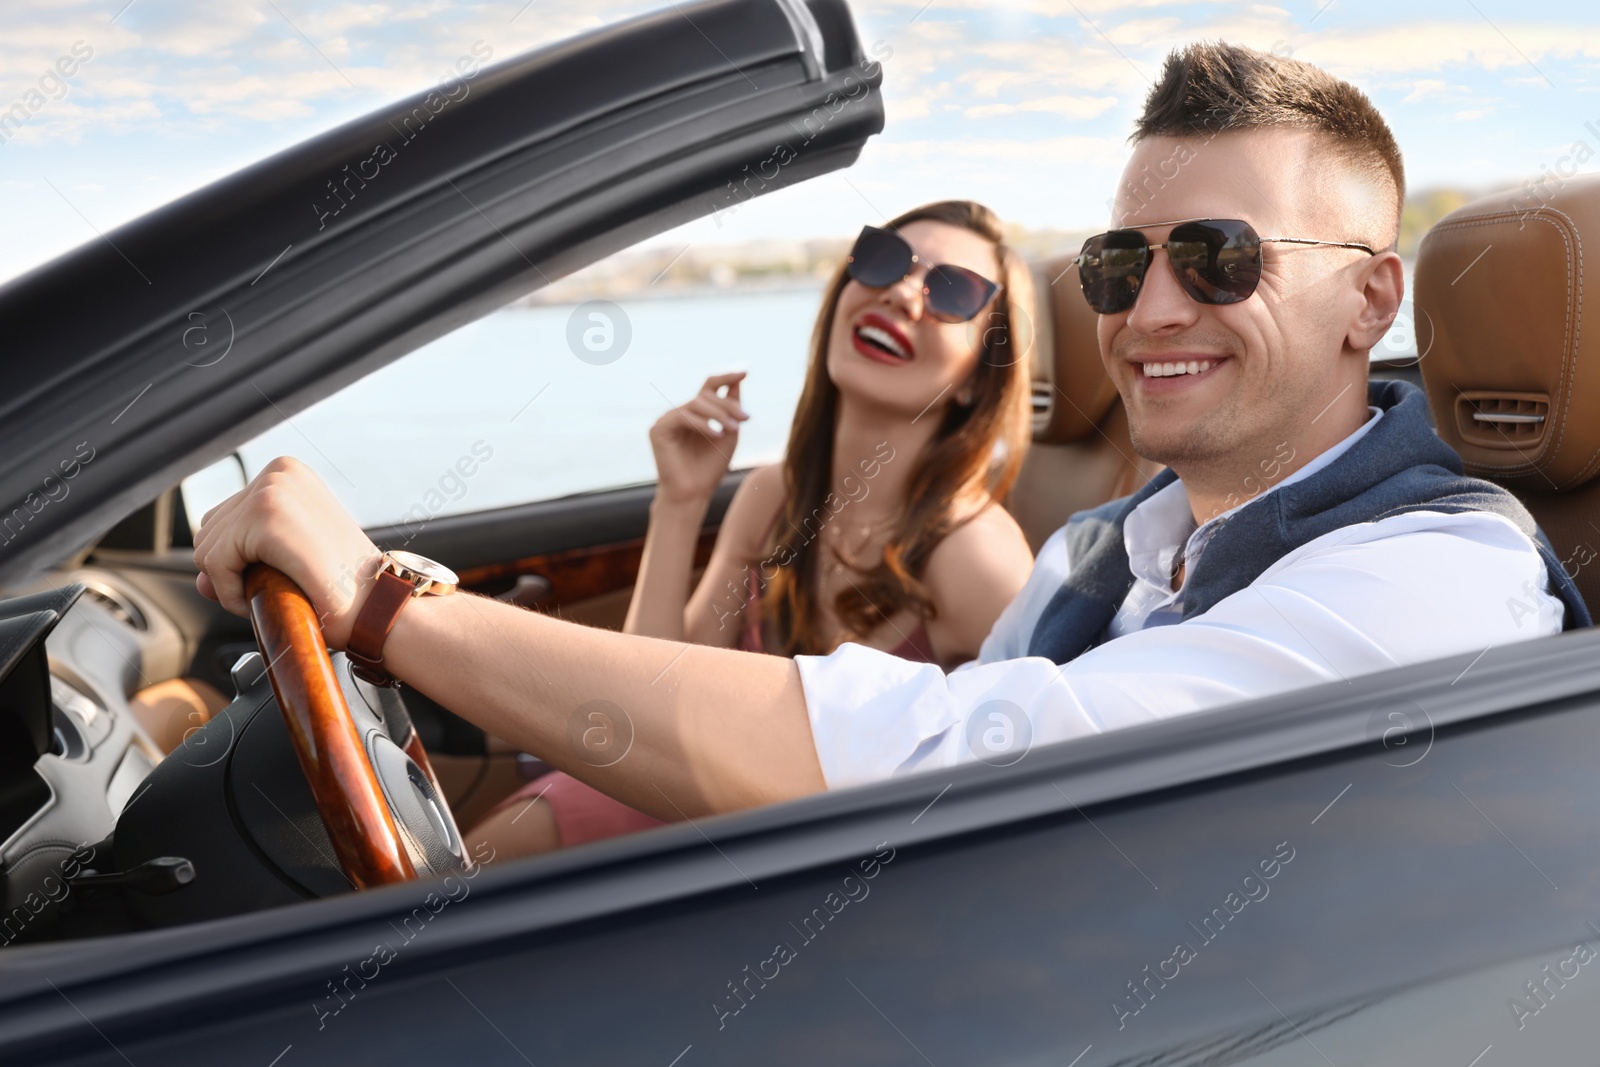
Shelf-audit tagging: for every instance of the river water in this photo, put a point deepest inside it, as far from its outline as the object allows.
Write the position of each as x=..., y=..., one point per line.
x=534, y=403
x=512, y=387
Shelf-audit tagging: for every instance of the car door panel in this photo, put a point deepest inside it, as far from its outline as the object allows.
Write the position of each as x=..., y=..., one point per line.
x=587, y=546
x=1329, y=858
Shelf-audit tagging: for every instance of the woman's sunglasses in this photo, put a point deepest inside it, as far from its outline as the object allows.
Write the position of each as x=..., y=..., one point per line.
x=950, y=294
x=1216, y=261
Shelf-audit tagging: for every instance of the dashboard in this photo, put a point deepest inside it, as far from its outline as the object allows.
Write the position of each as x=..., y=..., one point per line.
x=72, y=756
x=121, y=810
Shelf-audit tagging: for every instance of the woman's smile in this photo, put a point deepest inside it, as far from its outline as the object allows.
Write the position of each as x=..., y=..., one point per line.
x=877, y=338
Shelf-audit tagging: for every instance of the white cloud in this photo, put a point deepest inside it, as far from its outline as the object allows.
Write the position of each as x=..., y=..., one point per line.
x=1074, y=9
x=1426, y=87
x=209, y=30
x=215, y=85
x=1053, y=61
x=897, y=109
x=1436, y=45
x=1072, y=107
x=202, y=62
x=1027, y=160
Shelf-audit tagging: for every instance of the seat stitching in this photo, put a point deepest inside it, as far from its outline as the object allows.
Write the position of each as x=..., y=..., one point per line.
x=1588, y=469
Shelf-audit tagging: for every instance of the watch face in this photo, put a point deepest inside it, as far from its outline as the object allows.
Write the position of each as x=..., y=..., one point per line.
x=423, y=567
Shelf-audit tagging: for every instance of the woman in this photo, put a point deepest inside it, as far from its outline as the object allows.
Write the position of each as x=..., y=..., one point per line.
x=883, y=524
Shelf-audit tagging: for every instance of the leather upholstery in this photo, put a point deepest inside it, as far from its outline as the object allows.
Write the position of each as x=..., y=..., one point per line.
x=1082, y=455
x=1083, y=393
x=1510, y=336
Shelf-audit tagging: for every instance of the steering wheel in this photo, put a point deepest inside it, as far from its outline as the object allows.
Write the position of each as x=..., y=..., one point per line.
x=346, y=788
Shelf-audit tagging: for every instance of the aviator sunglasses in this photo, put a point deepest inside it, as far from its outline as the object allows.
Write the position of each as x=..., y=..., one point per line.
x=949, y=293
x=1216, y=261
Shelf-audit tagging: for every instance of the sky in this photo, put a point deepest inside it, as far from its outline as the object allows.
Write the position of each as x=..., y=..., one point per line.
x=1023, y=104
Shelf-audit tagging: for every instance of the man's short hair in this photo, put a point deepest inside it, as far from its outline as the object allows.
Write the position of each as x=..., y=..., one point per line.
x=1214, y=87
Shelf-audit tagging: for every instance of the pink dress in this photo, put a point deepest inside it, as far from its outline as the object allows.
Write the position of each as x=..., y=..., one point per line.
x=583, y=813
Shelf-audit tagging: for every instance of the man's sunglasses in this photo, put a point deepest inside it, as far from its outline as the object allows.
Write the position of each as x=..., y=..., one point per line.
x=1216, y=261
x=950, y=294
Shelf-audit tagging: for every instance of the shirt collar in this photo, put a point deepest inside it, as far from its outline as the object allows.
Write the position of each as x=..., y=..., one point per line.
x=1154, y=530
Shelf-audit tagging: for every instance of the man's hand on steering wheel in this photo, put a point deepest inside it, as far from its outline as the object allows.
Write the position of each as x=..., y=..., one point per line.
x=288, y=518
x=285, y=554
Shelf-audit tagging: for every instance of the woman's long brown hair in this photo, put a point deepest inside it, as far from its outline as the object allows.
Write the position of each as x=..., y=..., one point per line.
x=972, y=460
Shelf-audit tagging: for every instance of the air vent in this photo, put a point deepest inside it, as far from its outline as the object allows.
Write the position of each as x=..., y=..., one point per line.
x=119, y=606
x=1042, y=392
x=1502, y=420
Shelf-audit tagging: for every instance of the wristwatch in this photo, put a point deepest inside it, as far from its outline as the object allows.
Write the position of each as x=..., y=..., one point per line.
x=401, y=576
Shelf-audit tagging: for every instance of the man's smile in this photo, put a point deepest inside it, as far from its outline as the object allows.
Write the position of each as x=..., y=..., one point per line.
x=1175, y=371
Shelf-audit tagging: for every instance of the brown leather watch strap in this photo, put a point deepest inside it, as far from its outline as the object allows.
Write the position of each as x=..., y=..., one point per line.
x=389, y=596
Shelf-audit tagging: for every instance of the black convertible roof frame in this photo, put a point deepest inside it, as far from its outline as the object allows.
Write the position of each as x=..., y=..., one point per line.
x=544, y=164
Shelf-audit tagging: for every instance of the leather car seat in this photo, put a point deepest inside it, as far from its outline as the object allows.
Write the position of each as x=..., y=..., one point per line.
x=1509, y=338
x=1081, y=455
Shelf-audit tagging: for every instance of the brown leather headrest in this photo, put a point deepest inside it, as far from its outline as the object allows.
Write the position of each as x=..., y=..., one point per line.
x=1510, y=335
x=1069, y=369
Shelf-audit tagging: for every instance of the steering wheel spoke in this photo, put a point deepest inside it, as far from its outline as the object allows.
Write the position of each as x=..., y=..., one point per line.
x=348, y=795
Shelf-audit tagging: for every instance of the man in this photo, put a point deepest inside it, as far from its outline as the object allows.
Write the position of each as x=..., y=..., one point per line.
x=1308, y=528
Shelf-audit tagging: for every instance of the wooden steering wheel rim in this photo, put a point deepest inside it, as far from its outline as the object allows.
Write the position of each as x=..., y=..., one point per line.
x=332, y=757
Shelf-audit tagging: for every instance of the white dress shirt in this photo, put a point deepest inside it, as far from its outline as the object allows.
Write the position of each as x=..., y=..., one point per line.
x=1405, y=589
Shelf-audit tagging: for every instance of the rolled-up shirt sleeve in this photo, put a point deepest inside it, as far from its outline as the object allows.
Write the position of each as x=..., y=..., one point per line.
x=1361, y=599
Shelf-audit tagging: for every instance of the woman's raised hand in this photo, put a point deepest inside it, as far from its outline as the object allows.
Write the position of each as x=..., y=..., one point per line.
x=694, y=444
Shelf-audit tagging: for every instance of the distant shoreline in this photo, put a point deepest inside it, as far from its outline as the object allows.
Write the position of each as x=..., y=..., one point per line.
x=557, y=295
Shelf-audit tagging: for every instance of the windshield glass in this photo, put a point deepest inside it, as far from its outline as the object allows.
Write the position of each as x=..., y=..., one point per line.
x=950, y=590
